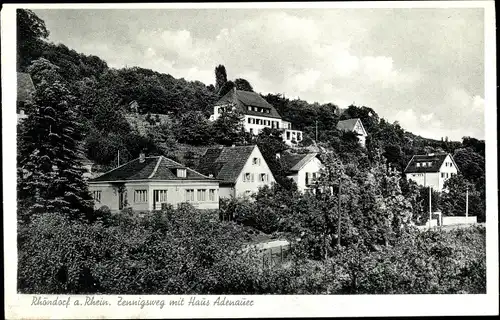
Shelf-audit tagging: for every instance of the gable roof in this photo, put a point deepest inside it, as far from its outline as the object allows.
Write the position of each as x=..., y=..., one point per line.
x=225, y=163
x=153, y=168
x=350, y=124
x=435, y=159
x=25, y=87
x=293, y=162
x=244, y=99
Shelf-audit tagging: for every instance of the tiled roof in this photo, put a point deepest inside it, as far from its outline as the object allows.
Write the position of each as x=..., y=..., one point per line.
x=347, y=125
x=293, y=162
x=225, y=163
x=435, y=159
x=25, y=87
x=244, y=99
x=153, y=168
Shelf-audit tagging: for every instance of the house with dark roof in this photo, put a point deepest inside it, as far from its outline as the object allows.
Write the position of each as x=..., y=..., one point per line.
x=241, y=170
x=25, y=92
x=146, y=183
x=356, y=126
x=258, y=114
x=303, y=168
x=431, y=170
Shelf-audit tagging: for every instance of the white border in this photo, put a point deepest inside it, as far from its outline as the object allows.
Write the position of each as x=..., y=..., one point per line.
x=18, y=306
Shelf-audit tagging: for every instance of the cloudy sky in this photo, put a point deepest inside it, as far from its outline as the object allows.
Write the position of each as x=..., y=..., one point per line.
x=421, y=67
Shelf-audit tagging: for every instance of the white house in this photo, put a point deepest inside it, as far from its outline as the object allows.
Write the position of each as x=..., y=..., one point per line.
x=258, y=114
x=240, y=169
x=355, y=125
x=431, y=170
x=145, y=183
x=304, y=169
x=25, y=91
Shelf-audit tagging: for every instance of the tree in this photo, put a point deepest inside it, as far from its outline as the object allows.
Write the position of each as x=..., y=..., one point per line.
x=226, y=87
x=50, y=170
x=242, y=84
x=453, y=201
x=30, y=32
x=194, y=128
x=270, y=143
x=220, y=77
x=228, y=128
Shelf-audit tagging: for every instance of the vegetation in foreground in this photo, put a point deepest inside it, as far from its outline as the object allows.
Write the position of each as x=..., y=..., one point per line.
x=185, y=251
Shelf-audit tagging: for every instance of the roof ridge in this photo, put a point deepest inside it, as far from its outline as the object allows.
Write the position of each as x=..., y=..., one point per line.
x=116, y=168
x=160, y=158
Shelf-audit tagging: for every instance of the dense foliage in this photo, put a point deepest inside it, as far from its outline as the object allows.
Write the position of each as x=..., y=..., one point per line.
x=185, y=251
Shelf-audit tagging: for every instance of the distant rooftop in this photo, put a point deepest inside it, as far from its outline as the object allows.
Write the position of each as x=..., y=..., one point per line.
x=249, y=103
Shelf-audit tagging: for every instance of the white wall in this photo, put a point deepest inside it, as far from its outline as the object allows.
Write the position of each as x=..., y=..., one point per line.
x=314, y=165
x=448, y=168
x=176, y=193
x=242, y=186
x=425, y=179
x=459, y=220
x=257, y=128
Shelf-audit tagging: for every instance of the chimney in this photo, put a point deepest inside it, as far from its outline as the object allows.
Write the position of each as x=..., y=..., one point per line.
x=142, y=157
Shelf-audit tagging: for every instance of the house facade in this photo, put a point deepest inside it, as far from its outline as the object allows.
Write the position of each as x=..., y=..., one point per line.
x=258, y=114
x=146, y=183
x=431, y=170
x=356, y=126
x=241, y=170
x=25, y=92
x=304, y=169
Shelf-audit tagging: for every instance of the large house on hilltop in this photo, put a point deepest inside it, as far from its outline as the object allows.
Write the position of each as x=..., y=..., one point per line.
x=431, y=170
x=241, y=170
x=144, y=184
x=304, y=169
x=259, y=114
x=356, y=126
x=25, y=91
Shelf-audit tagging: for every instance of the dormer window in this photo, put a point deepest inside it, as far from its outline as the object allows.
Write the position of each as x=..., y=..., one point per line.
x=424, y=164
x=418, y=164
x=181, y=172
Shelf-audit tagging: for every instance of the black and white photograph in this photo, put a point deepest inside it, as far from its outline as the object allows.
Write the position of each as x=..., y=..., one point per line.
x=173, y=161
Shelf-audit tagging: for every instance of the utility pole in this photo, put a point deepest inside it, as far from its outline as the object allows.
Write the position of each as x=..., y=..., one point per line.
x=467, y=203
x=340, y=214
x=316, y=130
x=430, y=206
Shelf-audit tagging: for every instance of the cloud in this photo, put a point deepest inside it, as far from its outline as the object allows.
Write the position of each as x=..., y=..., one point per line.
x=424, y=68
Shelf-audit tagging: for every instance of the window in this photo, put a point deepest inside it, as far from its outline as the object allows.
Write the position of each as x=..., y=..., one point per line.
x=288, y=135
x=429, y=164
x=256, y=161
x=181, y=172
x=141, y=196
x=97, y=195
x=424, y=164
x=442, y=174
x=277, y=125
x=211, y=195
x=249, y=120
x=248, y=177
x=202, y=195
x=189, y=194
x=299, y=136
x=251, y=130
x=249, y=108
x=263, y=177
x=418, y=164
x=160, y=195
